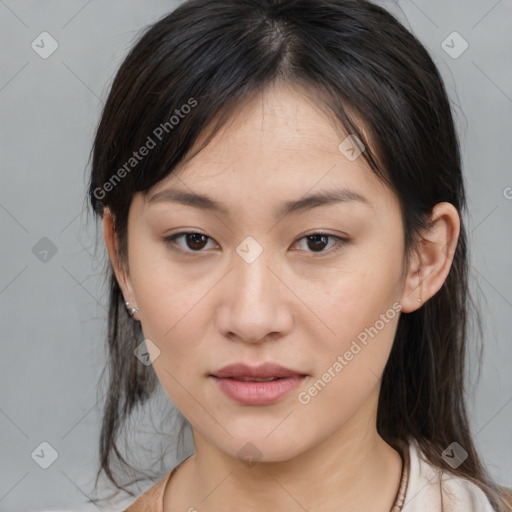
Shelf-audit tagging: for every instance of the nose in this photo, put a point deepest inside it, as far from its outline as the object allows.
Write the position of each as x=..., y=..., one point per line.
x=255, y=305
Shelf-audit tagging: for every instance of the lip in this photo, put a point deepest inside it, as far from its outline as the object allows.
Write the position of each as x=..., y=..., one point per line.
x=229, y=380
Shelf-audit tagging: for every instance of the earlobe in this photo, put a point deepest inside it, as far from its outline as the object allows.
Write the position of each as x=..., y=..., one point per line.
x=433, y=257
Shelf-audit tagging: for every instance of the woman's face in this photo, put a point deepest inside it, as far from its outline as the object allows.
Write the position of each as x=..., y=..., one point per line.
x=257, y=288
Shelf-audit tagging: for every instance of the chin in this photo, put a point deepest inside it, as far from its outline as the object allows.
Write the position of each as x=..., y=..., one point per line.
x=262, y=442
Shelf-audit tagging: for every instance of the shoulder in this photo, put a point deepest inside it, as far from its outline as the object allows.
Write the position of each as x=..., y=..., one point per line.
x=430, y=488
x=152, y=499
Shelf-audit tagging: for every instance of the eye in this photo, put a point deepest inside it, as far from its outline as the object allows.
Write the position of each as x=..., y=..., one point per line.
x=194, y=241
x=317, y=242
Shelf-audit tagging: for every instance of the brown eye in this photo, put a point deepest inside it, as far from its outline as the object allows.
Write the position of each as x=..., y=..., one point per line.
x=195, y=241
x=191, y=242
x=318, y=242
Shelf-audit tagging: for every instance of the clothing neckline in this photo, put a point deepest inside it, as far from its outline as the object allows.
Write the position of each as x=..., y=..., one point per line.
x=402, y=448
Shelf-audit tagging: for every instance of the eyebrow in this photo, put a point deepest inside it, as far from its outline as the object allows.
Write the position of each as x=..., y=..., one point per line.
x=307, y=202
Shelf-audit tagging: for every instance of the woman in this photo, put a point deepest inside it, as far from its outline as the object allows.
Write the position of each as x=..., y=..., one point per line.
x=282, y=201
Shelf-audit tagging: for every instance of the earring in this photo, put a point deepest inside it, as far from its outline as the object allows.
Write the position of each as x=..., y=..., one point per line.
x=419, y=300
x=131, y=311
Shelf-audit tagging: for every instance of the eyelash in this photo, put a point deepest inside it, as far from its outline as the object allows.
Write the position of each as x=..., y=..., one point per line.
x=171, y=242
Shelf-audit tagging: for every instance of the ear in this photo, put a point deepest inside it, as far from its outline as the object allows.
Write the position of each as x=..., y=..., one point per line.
x=120, y=271
x=432, y=259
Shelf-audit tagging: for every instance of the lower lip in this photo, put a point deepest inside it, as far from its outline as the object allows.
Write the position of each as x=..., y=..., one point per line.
x=257, y=393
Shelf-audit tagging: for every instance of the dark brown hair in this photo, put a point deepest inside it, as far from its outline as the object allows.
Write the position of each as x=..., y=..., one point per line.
x=369, y=73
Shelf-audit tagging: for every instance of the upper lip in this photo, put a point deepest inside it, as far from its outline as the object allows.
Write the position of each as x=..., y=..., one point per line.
x=263, y=371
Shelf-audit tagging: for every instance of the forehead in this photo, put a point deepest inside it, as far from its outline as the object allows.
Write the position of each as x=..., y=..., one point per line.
x=280, y=119
x=279, y=144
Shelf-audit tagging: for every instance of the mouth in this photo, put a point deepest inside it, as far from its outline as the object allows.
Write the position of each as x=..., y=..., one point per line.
x=261, y=385
x=253, y=379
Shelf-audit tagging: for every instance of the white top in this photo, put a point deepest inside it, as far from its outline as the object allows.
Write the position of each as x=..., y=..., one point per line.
x=424, y=489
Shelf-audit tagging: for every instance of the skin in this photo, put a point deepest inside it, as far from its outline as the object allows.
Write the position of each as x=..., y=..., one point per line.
x=292, y=305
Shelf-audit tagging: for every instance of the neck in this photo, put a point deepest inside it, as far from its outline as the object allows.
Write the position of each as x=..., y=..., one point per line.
x=352, y=470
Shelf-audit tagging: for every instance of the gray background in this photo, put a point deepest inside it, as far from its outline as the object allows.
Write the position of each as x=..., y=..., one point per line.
x=53, y=312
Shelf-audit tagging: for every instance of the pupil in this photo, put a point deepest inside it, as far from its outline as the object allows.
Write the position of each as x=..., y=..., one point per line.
x=316, y=241
x=192, y=242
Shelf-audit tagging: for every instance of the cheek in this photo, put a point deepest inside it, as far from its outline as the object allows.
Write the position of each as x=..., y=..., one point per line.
x=349, y=364
x=169, y=303
x=354, y=300
x=361, y=310
x=173, y=315
x=164, y=291
x=175, y=319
